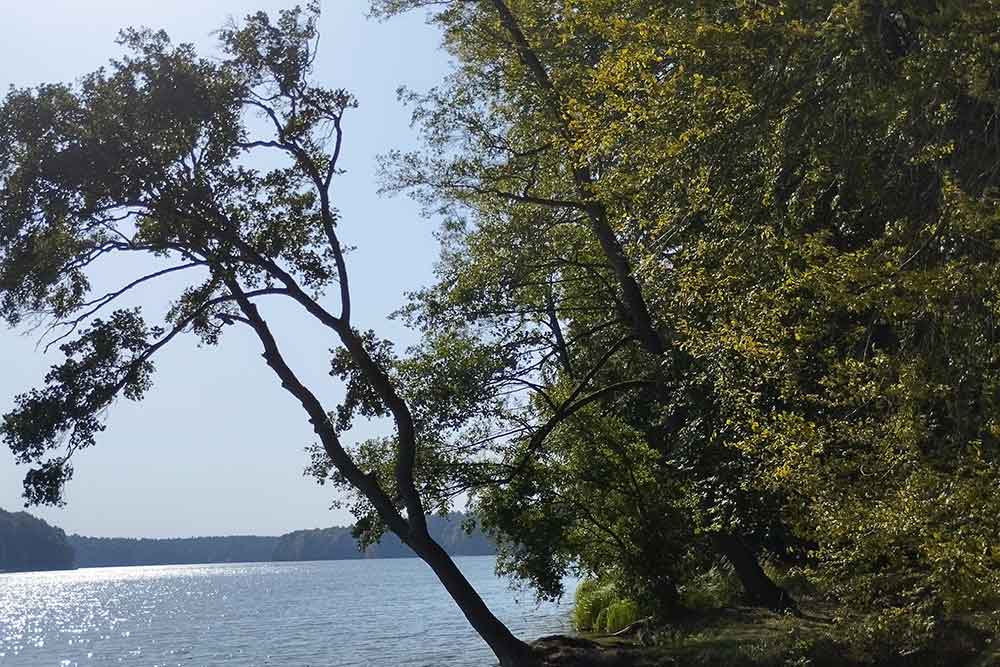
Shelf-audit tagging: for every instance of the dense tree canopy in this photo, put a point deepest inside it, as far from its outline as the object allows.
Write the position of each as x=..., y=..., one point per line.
x=778, y=222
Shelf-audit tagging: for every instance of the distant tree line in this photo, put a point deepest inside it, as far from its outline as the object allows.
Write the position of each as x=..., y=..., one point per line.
x=27, y=543
x=120, y=551
x=339, y=543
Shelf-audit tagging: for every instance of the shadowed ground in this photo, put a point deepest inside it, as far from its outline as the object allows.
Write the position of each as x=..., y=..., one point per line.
x=749, y=637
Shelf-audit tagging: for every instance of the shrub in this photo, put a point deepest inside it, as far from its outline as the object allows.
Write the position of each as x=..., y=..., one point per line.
x=714, y=588
x=600, y=607
x=621, y=614
x=602, y=620
x=592, y=597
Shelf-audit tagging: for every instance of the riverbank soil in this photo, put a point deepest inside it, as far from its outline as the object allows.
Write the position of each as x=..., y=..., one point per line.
x=750, y=637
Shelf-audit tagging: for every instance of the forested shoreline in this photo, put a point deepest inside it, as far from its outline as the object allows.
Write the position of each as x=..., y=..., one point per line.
x=125, y=551
x=340, y=543
x=27, y=543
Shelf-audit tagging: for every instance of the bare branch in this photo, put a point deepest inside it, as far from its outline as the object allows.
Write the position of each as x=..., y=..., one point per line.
x=96, y=305
x=361, y=480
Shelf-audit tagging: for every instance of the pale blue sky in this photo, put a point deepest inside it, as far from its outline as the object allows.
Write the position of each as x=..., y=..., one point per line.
x=217, y=447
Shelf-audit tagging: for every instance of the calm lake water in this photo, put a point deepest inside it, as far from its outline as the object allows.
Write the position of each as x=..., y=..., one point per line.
x=330, y=613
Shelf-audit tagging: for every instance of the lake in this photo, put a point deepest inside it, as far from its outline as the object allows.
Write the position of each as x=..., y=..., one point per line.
x=331, y=613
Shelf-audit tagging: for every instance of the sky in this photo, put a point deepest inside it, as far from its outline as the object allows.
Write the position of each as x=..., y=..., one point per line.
x=217, y=447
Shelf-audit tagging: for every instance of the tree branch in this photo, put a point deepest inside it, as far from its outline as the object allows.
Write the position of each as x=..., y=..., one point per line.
x=364, y=482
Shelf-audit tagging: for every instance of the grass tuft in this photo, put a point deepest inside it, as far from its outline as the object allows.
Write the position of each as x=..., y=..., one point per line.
x=599, y=607
x=716, y=588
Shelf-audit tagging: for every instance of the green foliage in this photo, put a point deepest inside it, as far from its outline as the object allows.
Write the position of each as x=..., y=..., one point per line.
x=714, y=588
x=590, y=599
x=110, y=357
x=599, y=606
x=709, y=269
x=146, y=158
x=794, y=579
x=620, y=615
x=807, y=194
x=321, y=544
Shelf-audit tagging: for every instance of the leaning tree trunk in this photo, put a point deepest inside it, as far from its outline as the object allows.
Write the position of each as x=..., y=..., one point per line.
x=758, y=586
x=510, y=651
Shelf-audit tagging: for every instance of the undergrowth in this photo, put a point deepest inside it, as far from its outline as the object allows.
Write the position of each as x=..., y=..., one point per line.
x=600, y=607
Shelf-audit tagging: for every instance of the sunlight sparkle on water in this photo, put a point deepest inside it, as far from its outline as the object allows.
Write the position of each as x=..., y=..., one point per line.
x=329, y=613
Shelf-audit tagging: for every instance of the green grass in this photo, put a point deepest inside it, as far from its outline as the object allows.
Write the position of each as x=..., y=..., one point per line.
x=620, y=615
x=599, y=607
x=714, y=589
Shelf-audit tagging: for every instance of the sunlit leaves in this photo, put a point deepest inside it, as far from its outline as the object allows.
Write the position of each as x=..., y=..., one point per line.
x=809, y=194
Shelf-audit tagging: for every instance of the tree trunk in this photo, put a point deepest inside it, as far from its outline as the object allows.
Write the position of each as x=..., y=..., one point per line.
x=509, y=650
x=758, y=586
